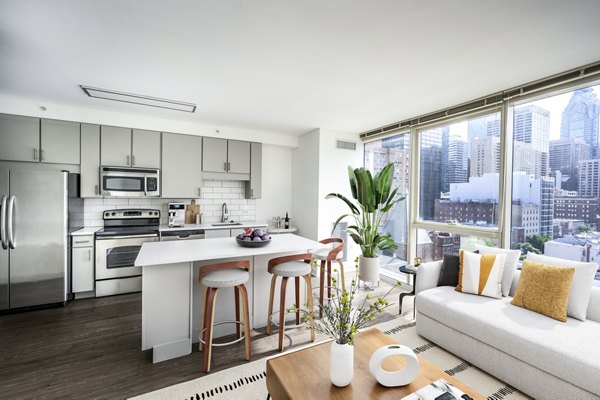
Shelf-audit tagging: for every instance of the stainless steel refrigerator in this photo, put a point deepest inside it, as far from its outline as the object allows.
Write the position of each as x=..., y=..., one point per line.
x=34, y=230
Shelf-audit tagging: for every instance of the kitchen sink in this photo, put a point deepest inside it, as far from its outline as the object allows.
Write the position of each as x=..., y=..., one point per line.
x=227, y=224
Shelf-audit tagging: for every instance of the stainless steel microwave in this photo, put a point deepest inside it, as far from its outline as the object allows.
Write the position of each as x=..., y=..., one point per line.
x=130, y=182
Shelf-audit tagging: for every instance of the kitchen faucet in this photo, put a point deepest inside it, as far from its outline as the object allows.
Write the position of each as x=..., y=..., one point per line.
x=225, y=212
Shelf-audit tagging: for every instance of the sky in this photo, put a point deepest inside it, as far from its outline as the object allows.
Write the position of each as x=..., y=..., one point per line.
x=554, y=104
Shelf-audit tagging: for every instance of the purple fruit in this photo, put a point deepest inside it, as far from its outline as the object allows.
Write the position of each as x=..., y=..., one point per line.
x=240, y=236
x=266, y=237
x=257, y=239
x=259, y=232
x=247, y=239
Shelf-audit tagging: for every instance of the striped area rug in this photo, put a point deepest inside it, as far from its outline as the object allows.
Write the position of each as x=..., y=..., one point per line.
x=247, y=381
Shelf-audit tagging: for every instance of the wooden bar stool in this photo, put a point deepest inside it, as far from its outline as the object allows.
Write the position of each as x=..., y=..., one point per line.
x=214, y=277
x=327, y=255
x=294, y=266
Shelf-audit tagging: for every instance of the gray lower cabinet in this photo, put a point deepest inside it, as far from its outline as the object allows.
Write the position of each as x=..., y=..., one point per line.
x=145, y=149
x=19, y=138
x=254, y=185
x=115, y=146
x=59, y=142
x=181, y=166
x=214, y=155
x=90, y=160
x=82, y=264
x=238, y=157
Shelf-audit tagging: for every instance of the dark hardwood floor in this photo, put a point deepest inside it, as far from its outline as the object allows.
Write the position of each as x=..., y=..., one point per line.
x=90, y=349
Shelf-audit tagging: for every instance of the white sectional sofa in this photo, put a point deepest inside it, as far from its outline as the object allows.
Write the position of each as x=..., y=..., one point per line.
x=537, y=355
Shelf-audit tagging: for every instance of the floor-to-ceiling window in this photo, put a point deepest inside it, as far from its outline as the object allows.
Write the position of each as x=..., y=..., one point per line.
x=378, y=154
x=525, y=174
x=556, y=175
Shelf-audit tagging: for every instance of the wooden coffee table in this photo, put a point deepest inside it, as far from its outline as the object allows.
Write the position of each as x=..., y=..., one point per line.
x=304, y=374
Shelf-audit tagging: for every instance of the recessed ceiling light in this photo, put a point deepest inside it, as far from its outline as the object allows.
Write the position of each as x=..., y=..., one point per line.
x=138, y=99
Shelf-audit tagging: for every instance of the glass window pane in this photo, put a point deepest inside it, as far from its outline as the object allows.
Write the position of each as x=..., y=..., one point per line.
x=378, y=154
x=556, y=176
x=459, y=172
x=432, y=245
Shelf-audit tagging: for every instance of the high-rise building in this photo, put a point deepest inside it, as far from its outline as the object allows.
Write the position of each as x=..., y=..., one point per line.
x=430, y=171
x=589, y=178
x=581, y=117
x=528, y=160
x=485, y=155
x=479, y=127
x=398, y=151
x=531, y=124
x=546, y=188
x=565, y=155
x=455, y=160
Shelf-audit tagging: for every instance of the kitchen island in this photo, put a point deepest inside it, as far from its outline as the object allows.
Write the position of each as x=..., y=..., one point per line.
x=172, y=295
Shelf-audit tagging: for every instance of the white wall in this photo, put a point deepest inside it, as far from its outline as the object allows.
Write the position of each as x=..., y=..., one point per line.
x=276, y=184
x=305, y=188
x=33, y=108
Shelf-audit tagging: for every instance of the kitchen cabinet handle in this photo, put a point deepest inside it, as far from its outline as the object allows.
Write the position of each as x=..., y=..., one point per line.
x=132, y=161
x=35, y=156
x=82, y=241
x=90, y=255
x=128, y=163
x=225, y=166
x=3, y=237
x=42, y=155
x=251, y=192
x=199, y=191
x=228, y=166
x=97, y=189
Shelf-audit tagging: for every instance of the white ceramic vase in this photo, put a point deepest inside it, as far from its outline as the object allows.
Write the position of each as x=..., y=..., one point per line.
x=341, y=364
x=368, y=269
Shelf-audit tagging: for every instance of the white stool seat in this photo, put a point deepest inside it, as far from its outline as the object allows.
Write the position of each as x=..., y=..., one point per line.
x=225, y=278
x=323, y=252
x=292, y=269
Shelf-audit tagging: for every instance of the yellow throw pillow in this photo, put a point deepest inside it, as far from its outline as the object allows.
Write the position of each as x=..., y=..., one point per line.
x=544, y=289
x=481, y=274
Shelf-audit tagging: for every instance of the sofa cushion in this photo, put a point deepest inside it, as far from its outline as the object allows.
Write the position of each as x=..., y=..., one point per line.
x=566, y=350
x=581, y=286
x=449, y=272
x=544, y=289
x=510, y=265
x=481, y=274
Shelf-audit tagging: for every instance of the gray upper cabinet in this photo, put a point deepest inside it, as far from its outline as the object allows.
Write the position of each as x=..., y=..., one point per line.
x=226, y=156
x=59, y=142
x=214, y=155
x=115, y=146
x=19, y=138
x=145, y=150
x=181, y=166
x=254, y=185
x=90, y=160
x=238, y=156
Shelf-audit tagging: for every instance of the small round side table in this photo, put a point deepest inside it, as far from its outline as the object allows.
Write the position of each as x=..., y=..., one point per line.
x=411, y=272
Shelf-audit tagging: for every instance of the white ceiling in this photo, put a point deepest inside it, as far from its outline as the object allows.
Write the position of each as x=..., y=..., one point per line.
x=288, y=66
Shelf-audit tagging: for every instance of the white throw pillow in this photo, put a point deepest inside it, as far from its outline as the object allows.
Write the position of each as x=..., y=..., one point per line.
x=510, y=265
x=581, y=286
x=481, y=274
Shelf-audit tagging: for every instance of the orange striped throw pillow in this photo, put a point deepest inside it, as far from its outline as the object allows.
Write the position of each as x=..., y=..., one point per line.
x=481, y=274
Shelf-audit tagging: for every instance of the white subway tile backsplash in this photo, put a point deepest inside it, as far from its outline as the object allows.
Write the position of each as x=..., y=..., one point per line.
x=214, y=194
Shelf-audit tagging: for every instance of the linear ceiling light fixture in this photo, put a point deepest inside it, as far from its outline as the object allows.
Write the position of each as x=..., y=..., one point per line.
x=138, y=99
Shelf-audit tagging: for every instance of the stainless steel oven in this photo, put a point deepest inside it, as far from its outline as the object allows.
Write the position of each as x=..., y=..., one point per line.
x=130, y=182
x=117, y=247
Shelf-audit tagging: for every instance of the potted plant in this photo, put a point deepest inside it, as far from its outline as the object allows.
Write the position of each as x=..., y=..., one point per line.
x=341, y=320
x=374, y=199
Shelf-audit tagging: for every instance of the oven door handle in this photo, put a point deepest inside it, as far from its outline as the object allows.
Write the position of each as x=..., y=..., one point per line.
x=145, y=186
x=126, y=237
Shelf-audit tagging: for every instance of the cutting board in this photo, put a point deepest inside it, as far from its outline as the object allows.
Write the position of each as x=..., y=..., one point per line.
x=191, y=210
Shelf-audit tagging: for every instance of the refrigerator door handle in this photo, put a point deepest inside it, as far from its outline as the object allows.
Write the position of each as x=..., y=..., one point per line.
x=3, y=236
x=10, y=220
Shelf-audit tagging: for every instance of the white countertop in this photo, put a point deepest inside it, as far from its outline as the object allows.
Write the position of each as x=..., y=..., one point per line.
x=88, y=230
x=209, y=226
x=179, y=251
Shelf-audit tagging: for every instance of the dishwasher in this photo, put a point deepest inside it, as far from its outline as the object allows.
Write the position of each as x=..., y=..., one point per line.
x=181, y=234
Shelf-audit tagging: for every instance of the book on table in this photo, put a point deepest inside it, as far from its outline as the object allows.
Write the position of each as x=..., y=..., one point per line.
x=438, y=390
